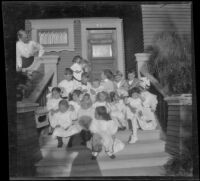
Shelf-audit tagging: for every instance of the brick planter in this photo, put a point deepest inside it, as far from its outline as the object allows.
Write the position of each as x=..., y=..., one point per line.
x=179, y=122
x=28, y=150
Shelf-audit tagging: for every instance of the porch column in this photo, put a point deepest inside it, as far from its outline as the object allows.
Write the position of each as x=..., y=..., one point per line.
x=50, y=63
x=141, y=58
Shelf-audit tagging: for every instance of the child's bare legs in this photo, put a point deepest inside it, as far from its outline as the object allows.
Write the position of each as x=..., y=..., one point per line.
x=60, y=142
x=134, y=137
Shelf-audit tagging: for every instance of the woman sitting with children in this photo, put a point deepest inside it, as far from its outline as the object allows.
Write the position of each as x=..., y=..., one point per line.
x=101, y=108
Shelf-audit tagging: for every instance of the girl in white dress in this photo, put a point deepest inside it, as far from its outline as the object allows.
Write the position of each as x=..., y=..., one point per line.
x=68, y=85
x=149, y=103
x=104, y=127
x=64, y=123
x=95, y=89
x=117, y=110
x=102, y=99
x=75, y=100
x=53, y=100
x=77, y=67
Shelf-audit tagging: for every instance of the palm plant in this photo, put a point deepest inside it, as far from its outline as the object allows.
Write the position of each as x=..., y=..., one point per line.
x=170, y=62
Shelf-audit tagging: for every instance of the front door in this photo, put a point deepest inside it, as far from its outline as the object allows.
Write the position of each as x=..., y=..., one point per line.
x=102, y=50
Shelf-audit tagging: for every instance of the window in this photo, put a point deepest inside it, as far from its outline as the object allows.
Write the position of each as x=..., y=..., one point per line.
x=103, y=51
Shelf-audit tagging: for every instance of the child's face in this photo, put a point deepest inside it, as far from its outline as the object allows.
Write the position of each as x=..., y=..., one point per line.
x=131, y=76
x=135, y=95
x=24, y=37
x=68, y=77
x=102, y=97
x=63, y=108
x=75, y=97
x=118, y=78
x=116, y=97
x=95, y=84
x=55, y=95
x=84, y=80
x=78, y=60
x=103, y=76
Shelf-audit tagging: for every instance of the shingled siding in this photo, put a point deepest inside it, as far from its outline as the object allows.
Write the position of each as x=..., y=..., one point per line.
x=165, y=17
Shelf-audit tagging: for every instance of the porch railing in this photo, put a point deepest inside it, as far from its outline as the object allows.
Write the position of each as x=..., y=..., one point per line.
x=40, y=92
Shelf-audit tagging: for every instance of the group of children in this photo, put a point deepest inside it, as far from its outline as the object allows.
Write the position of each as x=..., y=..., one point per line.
x=102, y=107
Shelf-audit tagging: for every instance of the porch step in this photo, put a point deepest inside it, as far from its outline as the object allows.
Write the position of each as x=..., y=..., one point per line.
x=141, y=171
x=142, y=146
x=48, y=141
x=64, y=166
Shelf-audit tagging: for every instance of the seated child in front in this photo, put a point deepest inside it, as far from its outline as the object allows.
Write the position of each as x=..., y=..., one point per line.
x=105, y=128
x=53, y=100
x=62, y=121
x=77, y=67
x=95, y=89
x=85, y=85
x=132, y=80
x=68, y=85
x=107, y=81
x=102, y=99
x=149, y=103
x=121, y=84
x=75, y=100
x=117, y=110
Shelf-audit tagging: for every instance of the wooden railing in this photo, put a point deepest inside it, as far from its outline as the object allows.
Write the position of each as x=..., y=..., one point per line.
x=40, y=92
x=162, y=107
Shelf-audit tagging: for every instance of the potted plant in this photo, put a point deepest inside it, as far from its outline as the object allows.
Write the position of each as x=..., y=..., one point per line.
x=170, y=62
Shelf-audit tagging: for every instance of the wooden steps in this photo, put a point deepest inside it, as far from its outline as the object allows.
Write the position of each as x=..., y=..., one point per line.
x=144, y=158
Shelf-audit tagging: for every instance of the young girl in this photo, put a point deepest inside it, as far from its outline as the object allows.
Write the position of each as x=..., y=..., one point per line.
x=149, y=103
x=69, y=84
x=121, y=84
x=105, y=128
x=132, y=81
x=53, y=100
x=102, y=99
x=107, y=83
x=75, y=100
x=117, y=110
x=95, y=89
x=85, y=85
x=62, y=121
x=77, y=67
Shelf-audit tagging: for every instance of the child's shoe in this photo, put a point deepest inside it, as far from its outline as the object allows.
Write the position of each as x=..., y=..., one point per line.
x=93, y=157
x=60, y=142
x=133, y=139
x=112, y=156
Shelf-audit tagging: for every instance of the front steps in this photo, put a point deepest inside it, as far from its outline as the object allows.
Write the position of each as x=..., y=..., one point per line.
x=144, y=158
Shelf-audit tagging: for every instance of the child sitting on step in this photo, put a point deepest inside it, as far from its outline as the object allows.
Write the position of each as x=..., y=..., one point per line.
x=121, y=84
x=85, y=85
x=132, y=80
x=117, y=110
x=102, y=99
x=63, y=124
x=53, y=100
x=77, y=68
x=68, y=85
x=104, y=128
x=95, y=89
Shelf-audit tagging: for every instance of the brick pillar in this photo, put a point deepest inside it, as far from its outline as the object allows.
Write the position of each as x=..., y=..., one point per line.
x=28, y=150
x=179, y=122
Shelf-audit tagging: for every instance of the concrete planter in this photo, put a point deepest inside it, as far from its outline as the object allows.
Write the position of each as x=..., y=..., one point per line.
x=179, y=122
x=28, y=150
